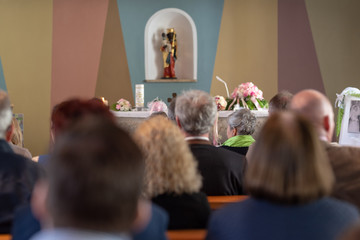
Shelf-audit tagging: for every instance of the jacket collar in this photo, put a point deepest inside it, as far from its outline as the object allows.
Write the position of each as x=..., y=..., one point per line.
x=5, y=147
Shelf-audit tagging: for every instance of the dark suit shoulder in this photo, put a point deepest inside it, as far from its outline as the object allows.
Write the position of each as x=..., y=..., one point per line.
x=345, y=162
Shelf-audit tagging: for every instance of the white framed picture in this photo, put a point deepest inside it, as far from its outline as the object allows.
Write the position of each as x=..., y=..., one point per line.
x=350, y=126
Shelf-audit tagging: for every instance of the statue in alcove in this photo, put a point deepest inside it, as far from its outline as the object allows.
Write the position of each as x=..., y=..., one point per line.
x=169, y=48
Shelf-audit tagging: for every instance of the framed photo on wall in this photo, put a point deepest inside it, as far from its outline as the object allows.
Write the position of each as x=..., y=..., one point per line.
x=350, y=126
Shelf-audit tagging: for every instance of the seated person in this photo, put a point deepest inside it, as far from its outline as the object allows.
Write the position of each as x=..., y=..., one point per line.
x=344, y=160
x=17, y=173
x=16, y=142
x=153, y=220
x=241, y=125
x=221, y=169
x=289, y=179
x=93, y=189
x=171, y=177
x=69, y=111
x=280, y=102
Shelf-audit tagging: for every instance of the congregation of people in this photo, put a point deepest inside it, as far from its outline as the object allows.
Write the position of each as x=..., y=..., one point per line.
x=99, y=181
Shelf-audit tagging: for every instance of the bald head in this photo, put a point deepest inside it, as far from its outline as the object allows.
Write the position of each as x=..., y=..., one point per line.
x=316, y=107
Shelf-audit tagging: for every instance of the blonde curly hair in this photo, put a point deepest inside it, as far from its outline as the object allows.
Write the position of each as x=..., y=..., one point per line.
x=16, y=136
x=169, y=164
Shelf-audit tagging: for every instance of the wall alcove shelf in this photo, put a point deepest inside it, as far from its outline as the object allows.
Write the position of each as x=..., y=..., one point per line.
x=170, y=80
x=186, y=35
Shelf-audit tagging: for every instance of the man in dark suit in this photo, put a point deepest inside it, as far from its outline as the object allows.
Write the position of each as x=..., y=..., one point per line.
x=345, y=161
x=221, y=169
x=17, y=173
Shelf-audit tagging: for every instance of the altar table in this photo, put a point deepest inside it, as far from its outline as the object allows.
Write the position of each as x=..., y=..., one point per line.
x=130, y=120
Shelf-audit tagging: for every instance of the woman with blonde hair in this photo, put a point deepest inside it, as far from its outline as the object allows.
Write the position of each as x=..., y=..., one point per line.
x=171, y=177
x=289, y=179
x=16, y=142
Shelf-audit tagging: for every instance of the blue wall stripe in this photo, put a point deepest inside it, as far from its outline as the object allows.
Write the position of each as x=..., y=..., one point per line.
x=2, y=78
x=207, y=17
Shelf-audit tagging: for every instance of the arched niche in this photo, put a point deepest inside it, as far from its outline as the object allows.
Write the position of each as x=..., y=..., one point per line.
x=186, y=64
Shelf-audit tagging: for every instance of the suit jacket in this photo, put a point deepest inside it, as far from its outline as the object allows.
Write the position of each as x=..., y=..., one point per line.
x=345, y=162
x=239, y=150
x=222, y=170
x=17, y=179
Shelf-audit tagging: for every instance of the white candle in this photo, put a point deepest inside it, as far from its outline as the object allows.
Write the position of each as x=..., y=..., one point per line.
x=139, y=95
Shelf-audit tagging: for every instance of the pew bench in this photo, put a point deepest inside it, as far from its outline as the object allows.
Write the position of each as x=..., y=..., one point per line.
x=217, y=202
x=188, y=234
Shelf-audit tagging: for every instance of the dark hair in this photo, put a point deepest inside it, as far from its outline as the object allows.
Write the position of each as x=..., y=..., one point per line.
x=95, y=177
x=171, y=110
x=280, y=101
x=69, y=111
x=288, y=164
x=161, y=113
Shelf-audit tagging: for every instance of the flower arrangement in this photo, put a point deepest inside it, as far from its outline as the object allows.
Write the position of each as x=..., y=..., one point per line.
x=121, y=105
x=221, y=103
x=247, y=95
x=340, y=103
x=157, y=105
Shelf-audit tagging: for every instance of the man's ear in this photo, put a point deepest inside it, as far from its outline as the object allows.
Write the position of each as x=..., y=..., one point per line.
x=178, y=122
x=326, y=123
x=8, y=133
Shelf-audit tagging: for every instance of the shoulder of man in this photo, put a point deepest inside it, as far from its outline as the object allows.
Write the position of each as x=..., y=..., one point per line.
x=344, y=153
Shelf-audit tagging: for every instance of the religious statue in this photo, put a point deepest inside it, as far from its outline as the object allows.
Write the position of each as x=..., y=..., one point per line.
x=169, y=48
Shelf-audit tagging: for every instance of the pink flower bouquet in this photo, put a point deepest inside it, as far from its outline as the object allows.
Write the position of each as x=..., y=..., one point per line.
x=157, y=105
x=249, y=96
x=121, y=105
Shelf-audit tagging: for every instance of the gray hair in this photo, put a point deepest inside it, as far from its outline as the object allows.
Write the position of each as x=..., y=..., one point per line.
x=243, y=120
x=5, y=113
x=196, y=111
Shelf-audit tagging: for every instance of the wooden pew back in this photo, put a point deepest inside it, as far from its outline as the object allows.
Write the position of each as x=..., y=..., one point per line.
x=217, y=202
x=189, y=234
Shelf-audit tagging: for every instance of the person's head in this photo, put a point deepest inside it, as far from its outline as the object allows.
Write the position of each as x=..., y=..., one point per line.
x=67, y=112
x=5, y=116
x=241, y=122
x=288, y=164
x=161, y=113
x=280, y=102
x=95, y=177
x=355, y=112
x=169, y=164
x=171, y=109
x=16, y=136
x=317, y=108
x=195, y=112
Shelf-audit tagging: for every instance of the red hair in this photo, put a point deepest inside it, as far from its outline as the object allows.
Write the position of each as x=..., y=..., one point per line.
x=70, y=111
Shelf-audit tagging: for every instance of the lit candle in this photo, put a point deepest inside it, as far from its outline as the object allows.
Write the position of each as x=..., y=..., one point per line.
x=106, y=103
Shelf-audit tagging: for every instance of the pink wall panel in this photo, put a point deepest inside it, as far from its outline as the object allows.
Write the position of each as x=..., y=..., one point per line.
x=298, y=64
x=78, y=29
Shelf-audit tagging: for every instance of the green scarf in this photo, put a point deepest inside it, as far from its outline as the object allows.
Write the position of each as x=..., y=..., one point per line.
x=239, y=141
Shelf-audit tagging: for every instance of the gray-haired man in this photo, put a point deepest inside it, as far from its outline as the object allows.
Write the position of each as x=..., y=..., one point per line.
x=222, y=170
x=17, y=173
